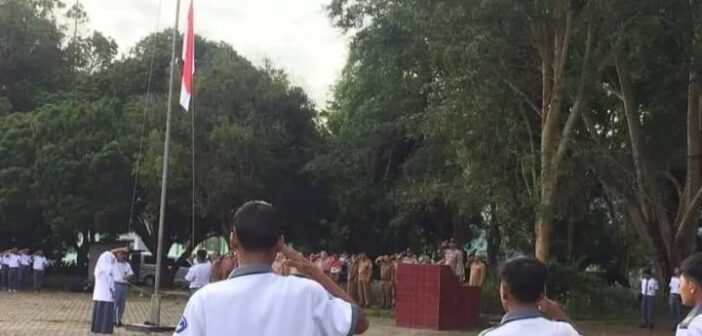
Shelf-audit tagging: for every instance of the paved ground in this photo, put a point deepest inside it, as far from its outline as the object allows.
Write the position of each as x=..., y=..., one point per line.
x=63, y=314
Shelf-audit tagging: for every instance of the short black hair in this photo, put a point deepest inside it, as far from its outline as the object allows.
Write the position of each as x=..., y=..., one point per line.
x=525, y=278
x=201, y=255
x=647, y=272
x=257, y=226
x=691, y=268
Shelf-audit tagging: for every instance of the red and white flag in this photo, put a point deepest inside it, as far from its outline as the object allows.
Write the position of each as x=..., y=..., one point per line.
x=186, y=89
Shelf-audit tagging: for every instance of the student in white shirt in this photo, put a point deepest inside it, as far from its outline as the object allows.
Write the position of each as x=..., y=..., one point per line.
x=103, y=321
x=529, y=311
x=39, y=265
x=691, y=295
x=199, y=274
x=25, y=268
x=122, y=275
x=256, y=301
x=674, y=299
x=5, y=264
x=14, y=265
x=649, y=287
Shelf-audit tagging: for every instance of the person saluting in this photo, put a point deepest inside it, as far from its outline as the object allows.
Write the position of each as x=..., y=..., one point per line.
x=256, y=301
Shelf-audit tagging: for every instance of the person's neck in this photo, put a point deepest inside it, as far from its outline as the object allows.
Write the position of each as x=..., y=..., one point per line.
x=516, y=306
x=253, y=258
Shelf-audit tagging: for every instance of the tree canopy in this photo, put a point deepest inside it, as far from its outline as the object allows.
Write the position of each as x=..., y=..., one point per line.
x=568, y=128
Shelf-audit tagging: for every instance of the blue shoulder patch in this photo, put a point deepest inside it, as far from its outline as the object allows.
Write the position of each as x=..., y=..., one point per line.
x=182, y=325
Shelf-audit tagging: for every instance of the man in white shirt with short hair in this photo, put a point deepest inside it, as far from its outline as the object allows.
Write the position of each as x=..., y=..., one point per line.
x=256, y=301
x=199, y=274
x=5, y=264
x=25, y=268
x=14, y=265
x=691, y=295
x=649, y=287
x=39, y=263
x=122, y=274
x=529, y=311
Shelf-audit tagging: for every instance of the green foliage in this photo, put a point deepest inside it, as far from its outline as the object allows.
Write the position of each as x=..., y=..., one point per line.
x=71, y=159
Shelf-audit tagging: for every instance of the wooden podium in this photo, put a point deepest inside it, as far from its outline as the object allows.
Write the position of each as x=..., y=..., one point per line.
x=431, y=297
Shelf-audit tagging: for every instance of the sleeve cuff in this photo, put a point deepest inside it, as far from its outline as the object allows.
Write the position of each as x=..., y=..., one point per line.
x=354, y=319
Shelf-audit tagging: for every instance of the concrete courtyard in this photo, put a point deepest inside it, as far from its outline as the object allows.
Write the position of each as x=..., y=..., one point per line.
x=64, y=314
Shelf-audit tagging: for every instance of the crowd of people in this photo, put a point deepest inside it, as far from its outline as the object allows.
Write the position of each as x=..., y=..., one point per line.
x=323, y=293
x=356, y=272
x=20, y=269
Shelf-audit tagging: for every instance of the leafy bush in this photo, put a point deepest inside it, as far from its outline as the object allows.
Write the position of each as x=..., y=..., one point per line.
x=583, y=295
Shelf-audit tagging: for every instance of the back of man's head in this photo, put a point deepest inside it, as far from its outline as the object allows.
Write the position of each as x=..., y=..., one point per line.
x=525, y=279
x=201, y=255
x=257, y=226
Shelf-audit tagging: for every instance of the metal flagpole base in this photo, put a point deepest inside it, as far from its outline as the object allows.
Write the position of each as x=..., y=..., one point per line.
x=154, y=325
x=148, y=328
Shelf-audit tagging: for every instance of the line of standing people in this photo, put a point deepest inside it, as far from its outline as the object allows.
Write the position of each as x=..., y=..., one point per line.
x=19, y=268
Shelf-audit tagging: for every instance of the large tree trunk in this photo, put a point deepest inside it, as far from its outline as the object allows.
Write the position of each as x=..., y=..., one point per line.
x=494, y=238
x=685, y=237
x=552, y=41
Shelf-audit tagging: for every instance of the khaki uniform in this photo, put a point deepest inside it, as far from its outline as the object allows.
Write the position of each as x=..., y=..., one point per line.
x=352, y=283
x=386, y=281
x=477, y=274
x=365, y=271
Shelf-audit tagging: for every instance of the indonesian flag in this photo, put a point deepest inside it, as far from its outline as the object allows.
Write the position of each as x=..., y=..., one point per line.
x=186, y=89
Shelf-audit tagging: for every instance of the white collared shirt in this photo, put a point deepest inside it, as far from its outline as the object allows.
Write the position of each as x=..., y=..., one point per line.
x=40, y=263
x=5, y=260
x=199, y=275
x=256, y=301
x=649, y=287
x=691, y=325
x=530, y=323
x=25, y=259
x=122, y=271
x=13, y=260
x=674, y=285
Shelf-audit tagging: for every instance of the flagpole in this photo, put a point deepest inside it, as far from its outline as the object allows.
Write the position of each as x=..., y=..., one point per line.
x=156, y=297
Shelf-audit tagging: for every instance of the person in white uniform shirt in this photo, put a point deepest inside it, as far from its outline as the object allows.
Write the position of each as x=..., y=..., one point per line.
x=5, y=264
x=122, y=275
x=529, y=311
x=13, y=263
x=649, y=287
x=39, y=264
x=691, y=295
x=103, y=321
x=674, y=299
x=199, y=274
x=256, y=301
x=25, y=268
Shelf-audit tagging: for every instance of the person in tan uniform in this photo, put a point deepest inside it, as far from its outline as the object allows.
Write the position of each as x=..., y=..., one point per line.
x=393, y=285
x=352, y=283
x=477, y=272
x=365, y=271
x=386, y=279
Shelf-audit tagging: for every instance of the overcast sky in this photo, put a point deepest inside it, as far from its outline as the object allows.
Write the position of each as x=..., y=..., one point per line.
x=295, y=34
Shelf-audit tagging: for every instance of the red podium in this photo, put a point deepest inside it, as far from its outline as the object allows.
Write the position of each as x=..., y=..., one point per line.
x=431, y=297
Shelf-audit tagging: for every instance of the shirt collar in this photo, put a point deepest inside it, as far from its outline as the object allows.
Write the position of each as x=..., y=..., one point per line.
x=520, y=314
x=250, y=270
